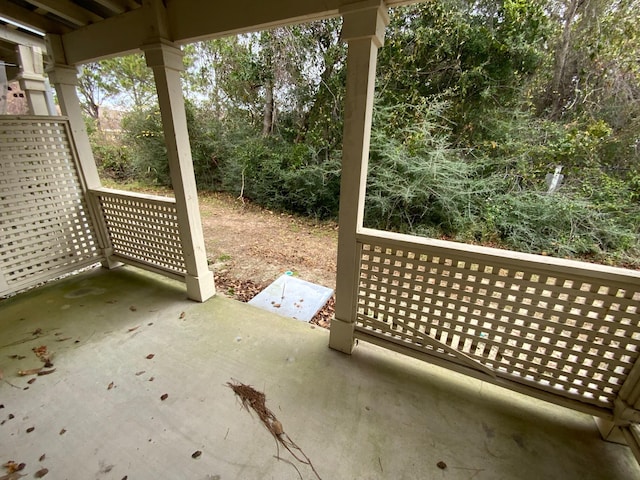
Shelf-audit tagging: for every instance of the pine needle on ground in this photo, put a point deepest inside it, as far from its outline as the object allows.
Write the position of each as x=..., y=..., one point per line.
x=254, y=400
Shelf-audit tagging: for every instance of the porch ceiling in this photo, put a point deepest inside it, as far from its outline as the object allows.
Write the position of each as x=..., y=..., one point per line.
x=374, y=414
x=87, y=26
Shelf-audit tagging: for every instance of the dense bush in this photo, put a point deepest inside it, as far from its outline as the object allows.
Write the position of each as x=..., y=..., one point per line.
x=418, y=183
x=282, y=176
x=562, y=225
x=478, y=103
x=143, y=135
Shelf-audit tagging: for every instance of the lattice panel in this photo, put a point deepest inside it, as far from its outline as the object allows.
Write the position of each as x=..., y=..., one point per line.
x=44, y=226
x=550, y=328
x=144, y=229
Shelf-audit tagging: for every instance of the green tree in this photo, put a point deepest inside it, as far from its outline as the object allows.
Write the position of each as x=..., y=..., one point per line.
x=95, y=86
x=476, y=55
x=133, y=79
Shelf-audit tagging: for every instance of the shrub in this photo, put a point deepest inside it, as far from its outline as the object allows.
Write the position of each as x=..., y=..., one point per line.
x=561, y=224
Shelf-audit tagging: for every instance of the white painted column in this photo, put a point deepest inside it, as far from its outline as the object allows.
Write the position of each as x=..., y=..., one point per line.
x=65, y=80
x=166, y=61
x=363, y=28
x=32, y=80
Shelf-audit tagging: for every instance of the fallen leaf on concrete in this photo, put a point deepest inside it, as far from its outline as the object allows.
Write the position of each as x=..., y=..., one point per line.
x=133, y=308
x=31, y=381
x=41, y=473
x=182, y=315
x=30, y=429
x=164, y=396
x=12, y=466
x=11, y=416
x=31, y=371
x=139, y=373
x=441, y=465
x=196, y=454
x=150, y=356
x=37, y=331
x=42, y=457
x=63, y=339
x=46, y=372
x=151, y=379
x=41, y=352
x=63, y=431
x=110, y=386
x=133, y=329
x=12, y=476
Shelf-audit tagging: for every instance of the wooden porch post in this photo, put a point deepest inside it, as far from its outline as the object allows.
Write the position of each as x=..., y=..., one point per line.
x=166, y=61
x=363, y=28
x=32, y=81
x=65, y=79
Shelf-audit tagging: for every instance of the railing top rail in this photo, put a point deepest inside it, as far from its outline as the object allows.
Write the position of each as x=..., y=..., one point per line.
x=38, y=118
x=158, y=199
x=529, y=262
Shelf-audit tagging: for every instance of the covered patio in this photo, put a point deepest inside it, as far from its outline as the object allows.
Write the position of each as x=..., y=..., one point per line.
x=564, y=332
x=374, y=414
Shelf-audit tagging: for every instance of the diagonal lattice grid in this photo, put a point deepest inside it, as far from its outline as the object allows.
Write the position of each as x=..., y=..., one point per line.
x=144, y=230
x=45, y=226
x=558, y=331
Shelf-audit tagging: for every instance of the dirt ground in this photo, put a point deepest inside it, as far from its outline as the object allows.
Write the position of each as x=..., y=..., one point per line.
x=247, y=242
x=248, y=247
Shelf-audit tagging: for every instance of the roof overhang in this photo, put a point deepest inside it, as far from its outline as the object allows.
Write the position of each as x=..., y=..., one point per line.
x=95, y=29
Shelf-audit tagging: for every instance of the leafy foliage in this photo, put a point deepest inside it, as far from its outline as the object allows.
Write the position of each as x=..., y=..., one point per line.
x=478, y=102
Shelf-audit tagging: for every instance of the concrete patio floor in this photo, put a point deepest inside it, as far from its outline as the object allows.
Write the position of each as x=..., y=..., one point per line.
x=373, y=415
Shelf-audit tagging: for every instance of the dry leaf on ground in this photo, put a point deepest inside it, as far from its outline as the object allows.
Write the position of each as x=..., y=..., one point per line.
x=12, y=466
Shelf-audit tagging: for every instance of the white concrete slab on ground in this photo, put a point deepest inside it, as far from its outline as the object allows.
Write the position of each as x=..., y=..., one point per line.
x=140, y=386
x=292, y=297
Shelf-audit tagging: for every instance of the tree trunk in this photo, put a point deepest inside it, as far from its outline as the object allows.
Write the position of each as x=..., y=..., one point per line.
x=558, y=93
x=95, y=114
x=267, y=119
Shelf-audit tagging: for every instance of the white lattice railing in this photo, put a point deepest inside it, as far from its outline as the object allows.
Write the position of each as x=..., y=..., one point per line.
x=45, y=228
x=561, y=330
x=142, y=230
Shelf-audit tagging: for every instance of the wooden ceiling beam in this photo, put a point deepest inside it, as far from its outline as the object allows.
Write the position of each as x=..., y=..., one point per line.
x=67, y=10
x=26, y=17
x=192, y=20
x=112, y=5
x=17, y=37
x=100, y=40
